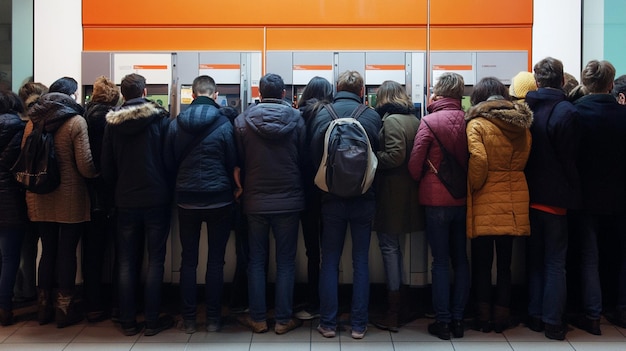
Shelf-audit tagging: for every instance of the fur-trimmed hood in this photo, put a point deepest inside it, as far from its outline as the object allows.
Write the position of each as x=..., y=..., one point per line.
x=515, y=114
x=134, y=115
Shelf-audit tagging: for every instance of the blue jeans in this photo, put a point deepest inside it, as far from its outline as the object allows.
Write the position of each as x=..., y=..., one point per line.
x=10, y=245
x=389, y=245
x=547, y=254
x=218, y=230
x=154, y=223
x=285, y=228
x=336, y=215
x=445, y=231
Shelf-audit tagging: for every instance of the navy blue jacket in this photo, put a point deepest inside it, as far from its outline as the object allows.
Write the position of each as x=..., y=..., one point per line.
x=551, y=171
x=270, y=139
x=602, y=157
x=205, y=175
x=12, y=198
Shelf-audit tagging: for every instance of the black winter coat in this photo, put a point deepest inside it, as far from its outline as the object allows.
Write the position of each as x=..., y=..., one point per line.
x=602, y=157
x=12, y=197
x=100, y=192
x=132, y=154
x=551, y=171
x=205, y=175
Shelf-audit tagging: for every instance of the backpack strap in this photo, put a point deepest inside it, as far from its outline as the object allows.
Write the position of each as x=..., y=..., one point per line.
x=355, y=114
x=331, y=111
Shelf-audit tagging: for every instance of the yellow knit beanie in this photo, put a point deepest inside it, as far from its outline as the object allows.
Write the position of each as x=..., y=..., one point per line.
x=521, y=84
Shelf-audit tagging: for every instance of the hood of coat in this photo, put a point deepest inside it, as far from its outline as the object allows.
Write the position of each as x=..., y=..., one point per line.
x=272, y=118
x=544, y=95
x=199, y=115
x=507, y=115
x=134, y=115
x=392, y=109
x=53, y=109
x=445, y=103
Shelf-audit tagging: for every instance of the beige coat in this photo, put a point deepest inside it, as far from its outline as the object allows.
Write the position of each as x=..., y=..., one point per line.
x=499, y=141
x=69, y=203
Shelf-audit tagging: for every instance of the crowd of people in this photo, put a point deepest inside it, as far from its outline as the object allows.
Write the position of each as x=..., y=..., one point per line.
x=543, y=159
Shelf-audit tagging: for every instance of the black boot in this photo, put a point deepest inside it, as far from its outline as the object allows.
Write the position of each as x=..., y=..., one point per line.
x=6, y=317
x=482, y=322
x=45, y=308
x=66, y=311
x=390, y=321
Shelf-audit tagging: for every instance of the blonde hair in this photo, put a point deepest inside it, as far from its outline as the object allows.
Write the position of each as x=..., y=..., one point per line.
x=391, y=92
x=450, y=85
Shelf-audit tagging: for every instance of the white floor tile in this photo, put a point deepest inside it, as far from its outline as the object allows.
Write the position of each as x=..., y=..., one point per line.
x=301, y=334
x=599, y=346
x=159, y=347
x=474, y=336
x=172, y=335
x=44, y=334
x=270, y=346
x=548, y=345
x=104, y=335
x=77, y=346
x=421, y=345
x=366, y=345
x=33, y=347
x=524, y=334
x=481, y=346
x=414, y=333
x=230, y=346
x=609, y=334
x=325, y=346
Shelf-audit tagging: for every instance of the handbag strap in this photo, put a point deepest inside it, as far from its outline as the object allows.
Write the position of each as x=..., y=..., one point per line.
x=435, y=135
x=206, y=132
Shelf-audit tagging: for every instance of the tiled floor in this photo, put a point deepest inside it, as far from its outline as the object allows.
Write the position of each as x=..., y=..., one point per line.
x=105, y=336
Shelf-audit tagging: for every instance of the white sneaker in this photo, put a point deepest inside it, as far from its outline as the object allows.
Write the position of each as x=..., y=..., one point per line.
x=307, y=315
x=358, y=335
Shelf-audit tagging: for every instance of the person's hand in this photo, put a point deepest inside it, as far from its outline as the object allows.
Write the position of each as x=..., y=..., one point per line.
x=238, y=192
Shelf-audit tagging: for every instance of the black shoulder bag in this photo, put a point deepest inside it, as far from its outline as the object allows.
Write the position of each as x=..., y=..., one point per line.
x=450, y=172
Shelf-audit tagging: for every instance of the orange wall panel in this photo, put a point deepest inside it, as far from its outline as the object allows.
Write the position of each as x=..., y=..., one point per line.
x=172, y=39
x=252, y=12
x=475, y=12
x=346, y=38
x=482, y=38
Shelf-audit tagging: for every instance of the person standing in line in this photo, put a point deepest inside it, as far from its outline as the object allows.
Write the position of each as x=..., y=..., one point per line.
x=602, y=167
x=619, y=89
x=554, y=187
x=62, y=213
x=132, y=162
x=317, y=92
x=12, y=202
x=270, y=139
x=26, y=282
x=499, y=140
x=200, y=144
x=397, y=206
x=101, y=229
x=338, y=212
x=445, y=214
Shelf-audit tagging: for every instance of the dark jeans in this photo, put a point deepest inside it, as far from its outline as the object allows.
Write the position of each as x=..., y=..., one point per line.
x=100, y=232
x=218, y=223
x=336, y=215
x=445, y=230
x=26, y=280
x=311, y=219
x=547, y=254
x=10, y=244
x=285, y=227
x=154, y=222
x=482, y=260
x=239, y=287
x=58, y=254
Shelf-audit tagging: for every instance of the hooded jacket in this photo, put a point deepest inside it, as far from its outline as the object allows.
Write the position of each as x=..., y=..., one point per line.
x=270, y=139
x=551, y=170
x=69, y=203
x=12, y=200
x=446, y=119
x=499, y=140
x=205, y=175
x=397, y=205
x=602, y=156
x=132, y=154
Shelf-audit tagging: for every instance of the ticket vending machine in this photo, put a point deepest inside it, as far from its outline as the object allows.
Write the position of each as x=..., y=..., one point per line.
x=236, y=75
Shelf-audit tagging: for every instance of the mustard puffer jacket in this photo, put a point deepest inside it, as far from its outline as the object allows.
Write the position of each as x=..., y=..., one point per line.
x=499, y=140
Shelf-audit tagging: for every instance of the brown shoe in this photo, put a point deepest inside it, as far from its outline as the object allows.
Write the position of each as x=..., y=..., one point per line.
x=282, y=328
x=257, y=327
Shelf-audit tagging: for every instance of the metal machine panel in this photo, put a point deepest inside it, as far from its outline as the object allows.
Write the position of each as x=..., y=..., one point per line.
x=307, y=65
x=416, y=85
x=223, y=67
x=462, y=63
x=281, y=63
x=187, y=67
x=94, y=65
x=351, y=61
x=502, y=65
x=156, y=68
x=382, y=66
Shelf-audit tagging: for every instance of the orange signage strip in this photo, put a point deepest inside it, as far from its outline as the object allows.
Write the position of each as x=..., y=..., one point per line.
x=385, y=67
x=452, y=67
x=219, y=66
x=312, y=67
x=149, y=66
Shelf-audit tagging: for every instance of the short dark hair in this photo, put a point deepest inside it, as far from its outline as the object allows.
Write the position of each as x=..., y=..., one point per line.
x=619, y=86
x=570, y=82
x=203, y=85
x=271, y=85
x=317, y=88
x=351, y=81
x=10, y=102
x=549, y=73
x=597, y=76
x=133, y=86
x=487, y=87
x=65, y=85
